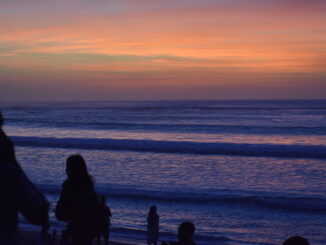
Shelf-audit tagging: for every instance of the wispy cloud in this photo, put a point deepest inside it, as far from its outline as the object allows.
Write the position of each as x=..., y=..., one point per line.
x=141, y=40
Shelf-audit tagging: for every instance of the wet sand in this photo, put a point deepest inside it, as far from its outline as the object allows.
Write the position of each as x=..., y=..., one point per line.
x=33, y=238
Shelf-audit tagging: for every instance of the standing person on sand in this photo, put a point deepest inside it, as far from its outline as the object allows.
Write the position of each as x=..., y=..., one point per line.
x=152, y=226
x=78, y=204
x=18, y=195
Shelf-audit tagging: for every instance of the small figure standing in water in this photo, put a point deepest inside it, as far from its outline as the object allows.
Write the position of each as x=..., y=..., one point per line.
x=152, y=226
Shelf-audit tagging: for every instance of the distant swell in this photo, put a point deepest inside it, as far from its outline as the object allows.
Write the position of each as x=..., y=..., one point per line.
x=181, y=147
x=175, y=127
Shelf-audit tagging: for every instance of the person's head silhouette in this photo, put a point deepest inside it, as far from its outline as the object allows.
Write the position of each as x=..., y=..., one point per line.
x=296, y=240
x=153, y=209
x=76, y=168
x=186, y=231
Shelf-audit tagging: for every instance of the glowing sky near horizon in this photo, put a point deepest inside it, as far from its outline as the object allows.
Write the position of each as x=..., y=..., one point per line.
x=171, y=49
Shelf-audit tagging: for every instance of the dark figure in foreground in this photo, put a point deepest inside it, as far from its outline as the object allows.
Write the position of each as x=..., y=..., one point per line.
x=106, y=215
x=79, y=205
x=185, y=233
x=296, y=240
x=152, y=226
x=18, y=195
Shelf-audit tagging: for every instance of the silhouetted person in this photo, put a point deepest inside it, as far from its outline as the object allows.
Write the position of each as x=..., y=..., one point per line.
x=152, y=226
x=106, y=212
x=78, y=204
x=296, y=240
x=18, y=194
x=185, y=233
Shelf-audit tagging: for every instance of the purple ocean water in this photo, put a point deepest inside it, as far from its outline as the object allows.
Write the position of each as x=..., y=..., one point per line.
x=245, y=172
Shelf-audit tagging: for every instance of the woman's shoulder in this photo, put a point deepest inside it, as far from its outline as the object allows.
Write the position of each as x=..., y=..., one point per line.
x=67, y=185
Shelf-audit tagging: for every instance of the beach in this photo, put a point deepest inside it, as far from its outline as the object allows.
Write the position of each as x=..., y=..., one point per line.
x=244, y=172
x=33, y=238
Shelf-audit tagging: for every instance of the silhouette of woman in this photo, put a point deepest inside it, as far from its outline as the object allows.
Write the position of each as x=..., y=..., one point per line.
x=18, y=194
x=77, y=202
x=152, y=226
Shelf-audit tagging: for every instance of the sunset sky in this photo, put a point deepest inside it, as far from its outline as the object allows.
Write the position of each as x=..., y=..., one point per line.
x=168, y=49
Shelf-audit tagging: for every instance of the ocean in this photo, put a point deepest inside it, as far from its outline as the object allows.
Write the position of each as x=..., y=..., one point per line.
x=244, y=172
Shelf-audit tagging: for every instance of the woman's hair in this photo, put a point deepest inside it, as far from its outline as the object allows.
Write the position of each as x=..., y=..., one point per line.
x=76, y=169
x=7, y=149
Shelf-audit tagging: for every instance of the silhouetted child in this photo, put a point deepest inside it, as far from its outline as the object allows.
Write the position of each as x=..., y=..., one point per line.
x=152, y=226
x=107, y=215
x=296, y=240
x=185, y=233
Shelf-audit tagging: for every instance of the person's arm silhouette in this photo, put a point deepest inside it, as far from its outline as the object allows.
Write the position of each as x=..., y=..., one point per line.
x=30, y=202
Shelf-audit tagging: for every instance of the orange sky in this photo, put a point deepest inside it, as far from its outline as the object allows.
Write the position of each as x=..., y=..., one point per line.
x=145, y=49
